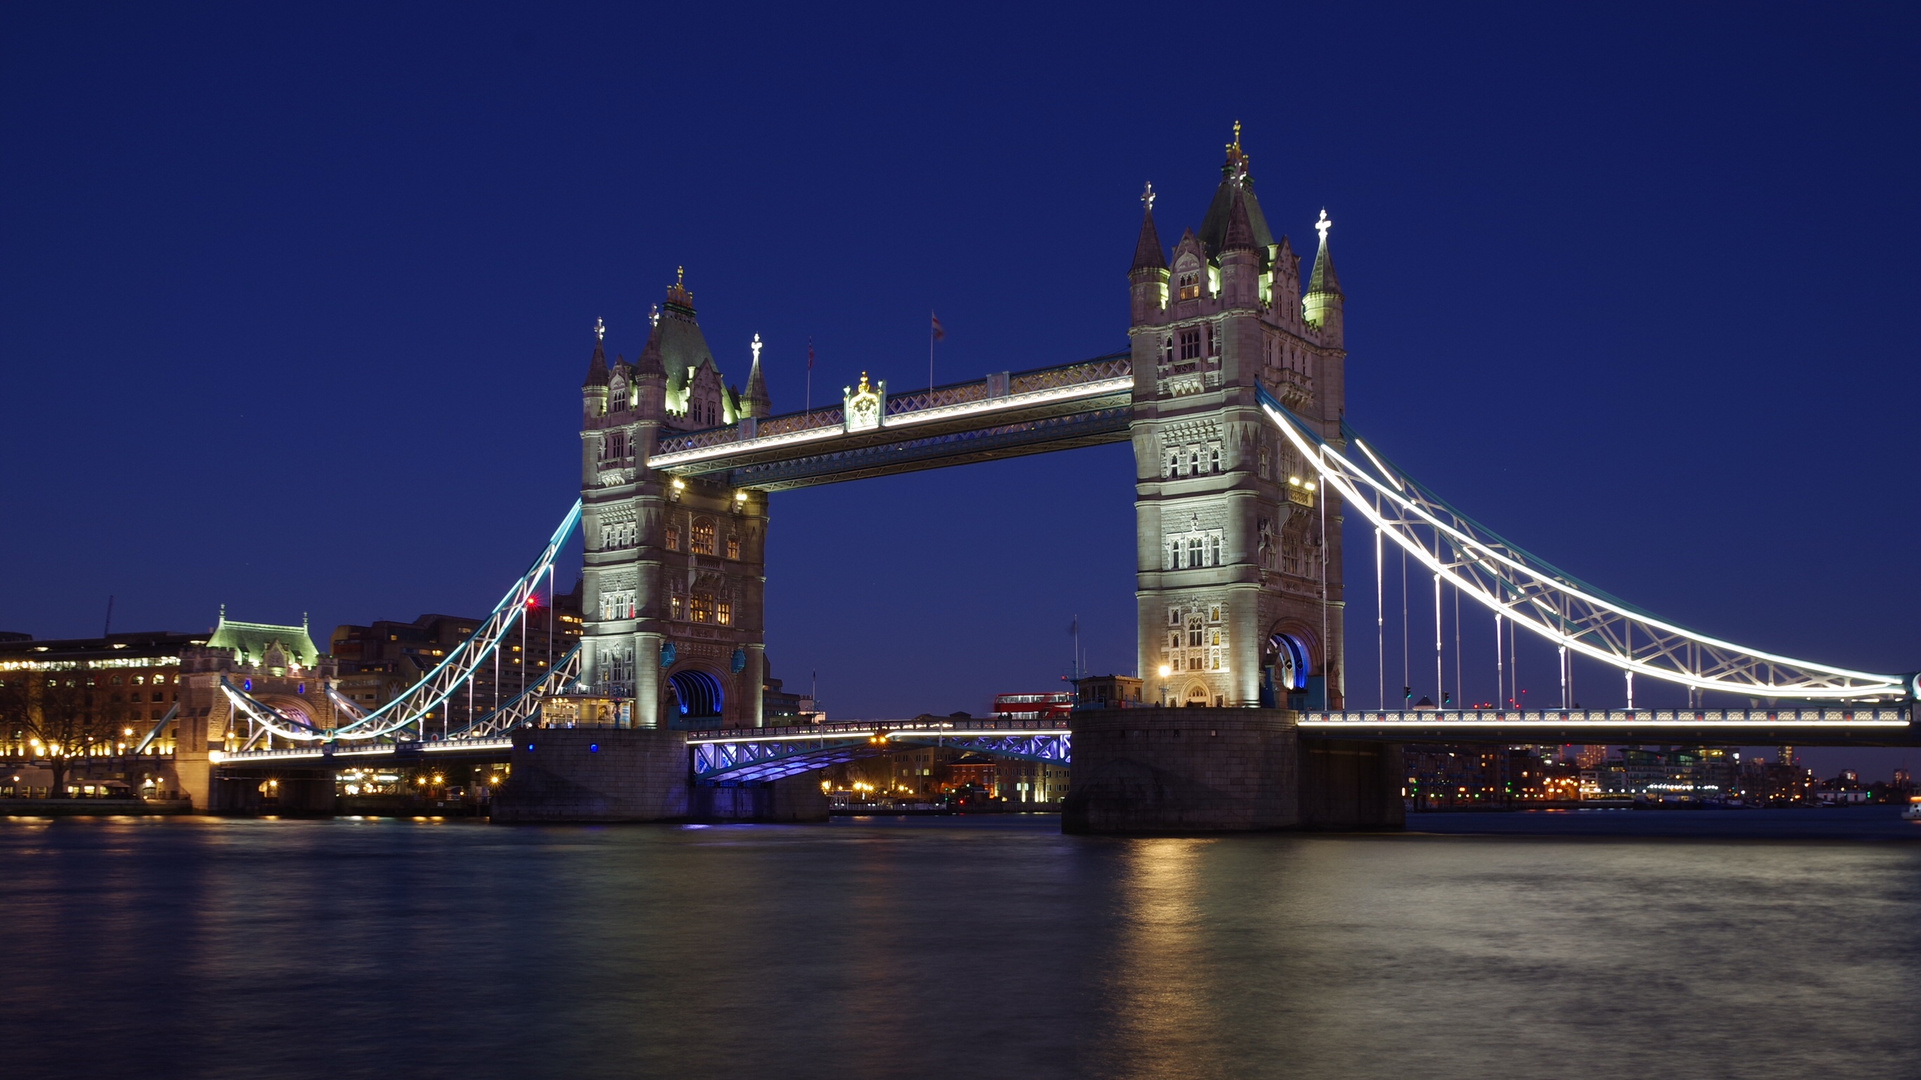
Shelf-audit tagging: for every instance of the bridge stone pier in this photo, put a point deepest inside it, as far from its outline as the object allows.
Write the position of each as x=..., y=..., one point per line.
x=1179, y=771
x=635, y=774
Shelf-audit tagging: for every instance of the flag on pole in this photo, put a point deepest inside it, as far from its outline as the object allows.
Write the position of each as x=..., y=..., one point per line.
x=939, y=334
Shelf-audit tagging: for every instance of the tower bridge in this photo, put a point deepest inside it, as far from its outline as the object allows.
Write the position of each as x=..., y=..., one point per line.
x=1232, y=392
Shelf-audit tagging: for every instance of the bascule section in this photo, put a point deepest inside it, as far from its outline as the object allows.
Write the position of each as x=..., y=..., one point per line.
x=1239, y=572
x=674, y=567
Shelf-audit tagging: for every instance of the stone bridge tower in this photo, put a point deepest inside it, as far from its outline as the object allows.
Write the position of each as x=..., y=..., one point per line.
x=1239, y=554
x=674, y=569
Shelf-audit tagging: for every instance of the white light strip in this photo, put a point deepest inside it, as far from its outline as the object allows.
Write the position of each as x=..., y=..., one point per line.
x=890, y=733
x=903, y=420
x=1449, y=725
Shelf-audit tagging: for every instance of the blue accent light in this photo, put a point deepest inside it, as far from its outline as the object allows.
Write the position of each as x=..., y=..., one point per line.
x=738, y=663
x=246, y=684
x=698, y=692
x=530, y=748
x=593, y=748
x=667, y=655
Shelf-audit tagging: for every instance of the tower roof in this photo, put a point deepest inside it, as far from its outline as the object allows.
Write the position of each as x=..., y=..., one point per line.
x=1324, y=280
x=597, y=367
x=676, y=339
x=251, y=640
x=757, y=383
x=1147, y=250
x=1237, y=186
x=1240, y=226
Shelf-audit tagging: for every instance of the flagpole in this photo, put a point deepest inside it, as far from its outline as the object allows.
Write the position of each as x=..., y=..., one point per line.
x=810, y=377
x=930, y=358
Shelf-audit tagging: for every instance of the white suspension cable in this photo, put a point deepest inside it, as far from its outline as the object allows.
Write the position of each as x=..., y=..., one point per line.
x=1556, y=606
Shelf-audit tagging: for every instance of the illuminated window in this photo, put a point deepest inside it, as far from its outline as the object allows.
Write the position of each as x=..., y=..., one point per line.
x=723, y=612
x=703, y=537
x=733, y=547
x=1213, y=341
x=1190, y=284
x=679, y=606
x=673, y=538
x=703, y=607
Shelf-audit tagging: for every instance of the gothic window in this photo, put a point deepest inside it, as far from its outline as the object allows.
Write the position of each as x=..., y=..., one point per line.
x=1173, y=616
x=1213, y=459
x=733, y=547
x=1190, y=283
x=678, y=606
x=613, y=447
x=673, y=538
x=1196, y=633
x=1194, y=460
x=1213, y=341
x=1214, y=615
x=1190, y=344
x=1167, y=349
x=702, y=607
x=703, y=537
x=724, y=612
x=1194, y=551
x=1214, y=551
x=617, y=604
x=1173, y=563
x=1173, y=462
x=1268, y=554
x=1264, y=461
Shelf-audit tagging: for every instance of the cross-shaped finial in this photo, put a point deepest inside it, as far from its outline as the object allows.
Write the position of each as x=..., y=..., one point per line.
x=1323, y=225
x=653, y=317
x=1148, y=197
x=756, y=347
x=1237, y=134
x=600, y=330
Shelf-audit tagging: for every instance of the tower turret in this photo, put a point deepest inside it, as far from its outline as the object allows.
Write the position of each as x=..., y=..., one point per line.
x=1240, y=259
x=1148, y=276
x=1322, y=306
x=755, y=402
x=593, y=391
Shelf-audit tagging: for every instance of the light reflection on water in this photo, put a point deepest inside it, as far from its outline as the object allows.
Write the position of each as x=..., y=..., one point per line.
x=989, y=947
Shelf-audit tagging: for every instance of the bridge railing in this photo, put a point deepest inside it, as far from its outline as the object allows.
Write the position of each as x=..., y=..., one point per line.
x=1838, y=716
x=906, y=407
x=873, y=727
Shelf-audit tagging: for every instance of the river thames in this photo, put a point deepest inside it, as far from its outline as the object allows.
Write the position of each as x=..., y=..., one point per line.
x=1753, y=944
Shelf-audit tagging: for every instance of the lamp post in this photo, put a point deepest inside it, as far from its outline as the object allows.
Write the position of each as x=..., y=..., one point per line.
x=1165, y=671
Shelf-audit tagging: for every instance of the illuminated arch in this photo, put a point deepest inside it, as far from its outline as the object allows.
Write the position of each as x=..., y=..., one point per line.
x=698, y=694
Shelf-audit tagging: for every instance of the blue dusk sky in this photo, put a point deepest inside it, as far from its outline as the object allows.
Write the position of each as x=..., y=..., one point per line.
x=295, y=301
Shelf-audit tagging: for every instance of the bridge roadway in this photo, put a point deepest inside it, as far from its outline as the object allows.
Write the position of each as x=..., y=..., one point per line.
x=1820, y=725
x=752, y=755
x=379, y=755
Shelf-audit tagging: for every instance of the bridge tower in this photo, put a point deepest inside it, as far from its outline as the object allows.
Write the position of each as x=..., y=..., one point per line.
x=1239, y=554
x=674, y=568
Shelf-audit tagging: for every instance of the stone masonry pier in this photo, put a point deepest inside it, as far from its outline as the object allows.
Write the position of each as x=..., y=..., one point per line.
x=1199, y=770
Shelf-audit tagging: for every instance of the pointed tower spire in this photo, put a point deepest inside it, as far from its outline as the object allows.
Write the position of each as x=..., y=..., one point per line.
x=755, y=402
x=1324, y=280
x=597, y=367
x=1147, y=251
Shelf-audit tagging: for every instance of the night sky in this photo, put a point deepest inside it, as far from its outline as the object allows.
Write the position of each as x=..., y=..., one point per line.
x=294, y=307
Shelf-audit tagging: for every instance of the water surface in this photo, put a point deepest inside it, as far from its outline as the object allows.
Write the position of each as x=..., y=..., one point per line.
x=942, y=947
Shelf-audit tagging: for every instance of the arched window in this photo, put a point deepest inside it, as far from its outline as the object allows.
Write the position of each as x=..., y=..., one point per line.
x=703, y=536
x=1190, y=284
x=733, y=546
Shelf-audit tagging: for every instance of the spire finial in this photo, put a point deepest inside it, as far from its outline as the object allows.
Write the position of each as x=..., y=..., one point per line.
x=1148, y=197
x=1237, y=134
x=223, y=613
x=653, y=317
x=756, y=347
x=680, y=276
x=600, y=330
x=1323, y=225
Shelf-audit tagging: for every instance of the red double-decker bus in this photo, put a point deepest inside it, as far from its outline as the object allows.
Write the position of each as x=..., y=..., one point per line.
x=1055, y=706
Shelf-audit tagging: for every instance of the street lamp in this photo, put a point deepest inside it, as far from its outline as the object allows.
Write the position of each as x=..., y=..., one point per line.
x=1165, y=672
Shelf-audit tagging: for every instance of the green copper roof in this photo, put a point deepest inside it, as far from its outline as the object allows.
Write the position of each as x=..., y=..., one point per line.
x=251, y=641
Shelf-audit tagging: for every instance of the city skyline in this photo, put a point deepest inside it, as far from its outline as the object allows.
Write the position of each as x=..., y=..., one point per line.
x=319, y=384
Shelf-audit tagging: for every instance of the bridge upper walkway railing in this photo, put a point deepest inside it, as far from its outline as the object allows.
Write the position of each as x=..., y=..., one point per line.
x=987, y=398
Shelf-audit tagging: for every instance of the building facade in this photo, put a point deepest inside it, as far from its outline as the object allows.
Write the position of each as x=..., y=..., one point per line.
x=1239, y=554
x=674, y=570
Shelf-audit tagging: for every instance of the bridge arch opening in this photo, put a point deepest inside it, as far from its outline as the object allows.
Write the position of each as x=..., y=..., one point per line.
x=697, y=694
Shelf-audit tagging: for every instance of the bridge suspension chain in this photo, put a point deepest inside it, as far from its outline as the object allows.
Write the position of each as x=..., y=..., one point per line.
x=463, y=663
x=1569, y=613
